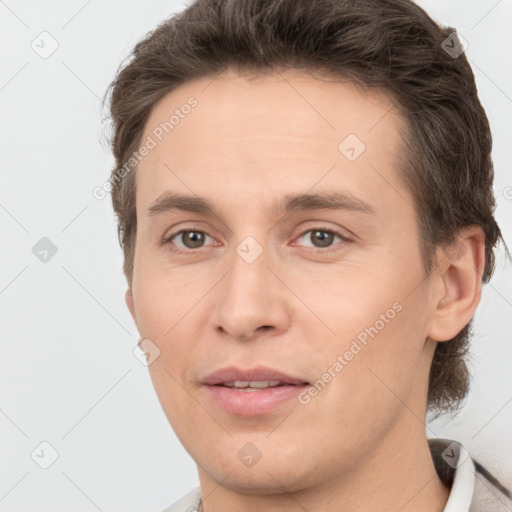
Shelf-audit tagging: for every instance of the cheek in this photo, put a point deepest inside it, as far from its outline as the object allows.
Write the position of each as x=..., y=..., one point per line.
x=346, y=302
x=175, y=402
x=367, y=325
x=385, y=362
x=162, y=300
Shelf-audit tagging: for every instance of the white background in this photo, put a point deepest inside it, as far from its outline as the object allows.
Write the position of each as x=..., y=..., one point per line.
x=67, y=372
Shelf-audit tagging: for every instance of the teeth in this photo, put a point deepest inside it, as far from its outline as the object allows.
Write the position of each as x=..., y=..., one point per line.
x=252, y=384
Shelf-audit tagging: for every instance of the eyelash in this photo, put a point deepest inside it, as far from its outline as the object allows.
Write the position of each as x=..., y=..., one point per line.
x=168, y=240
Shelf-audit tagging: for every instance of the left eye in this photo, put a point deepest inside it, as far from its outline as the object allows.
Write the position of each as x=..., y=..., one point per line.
x=324, y=237
x=194, y=239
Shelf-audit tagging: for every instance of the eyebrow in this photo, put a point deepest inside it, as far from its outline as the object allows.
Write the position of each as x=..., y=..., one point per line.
x=169, y=201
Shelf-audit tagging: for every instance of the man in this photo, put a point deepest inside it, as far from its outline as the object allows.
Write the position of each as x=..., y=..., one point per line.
x=304, y=197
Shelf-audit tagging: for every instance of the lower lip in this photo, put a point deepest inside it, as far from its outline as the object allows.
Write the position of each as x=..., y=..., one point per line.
x=252, y=403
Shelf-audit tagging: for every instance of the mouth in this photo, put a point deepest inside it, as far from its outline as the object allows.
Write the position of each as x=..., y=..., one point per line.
x=244, y=385
x=252, y=392
x=260, y=376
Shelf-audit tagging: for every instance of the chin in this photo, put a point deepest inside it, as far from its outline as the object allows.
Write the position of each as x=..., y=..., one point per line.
x=268, y=476
x=263, y=481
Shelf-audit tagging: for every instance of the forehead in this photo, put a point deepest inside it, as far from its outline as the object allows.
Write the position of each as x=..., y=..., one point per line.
x=280, y=129
x=291, y=102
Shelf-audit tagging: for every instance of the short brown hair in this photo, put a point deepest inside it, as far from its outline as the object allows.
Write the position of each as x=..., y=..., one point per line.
x=390, y=44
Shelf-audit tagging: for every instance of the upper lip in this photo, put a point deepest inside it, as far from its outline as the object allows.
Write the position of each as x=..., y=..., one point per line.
x=259, y=373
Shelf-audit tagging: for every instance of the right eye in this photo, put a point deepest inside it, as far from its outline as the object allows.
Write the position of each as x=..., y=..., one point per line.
x=190, y=238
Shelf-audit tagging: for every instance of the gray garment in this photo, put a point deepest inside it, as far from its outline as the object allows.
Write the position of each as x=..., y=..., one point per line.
x=473, y=488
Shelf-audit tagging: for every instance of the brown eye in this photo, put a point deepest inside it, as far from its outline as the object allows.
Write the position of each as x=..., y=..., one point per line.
x=190, y=239
x=322, y=238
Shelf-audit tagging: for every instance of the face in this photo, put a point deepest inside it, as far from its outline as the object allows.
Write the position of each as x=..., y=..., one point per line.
x=330, y=292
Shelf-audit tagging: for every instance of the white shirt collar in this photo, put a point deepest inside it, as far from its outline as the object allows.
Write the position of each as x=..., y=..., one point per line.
x=455, y=467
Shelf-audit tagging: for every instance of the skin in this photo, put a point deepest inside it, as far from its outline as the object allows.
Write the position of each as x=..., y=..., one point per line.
x=361, y=441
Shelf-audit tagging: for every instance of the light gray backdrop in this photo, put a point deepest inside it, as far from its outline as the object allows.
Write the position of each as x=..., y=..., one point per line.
x=68, y=375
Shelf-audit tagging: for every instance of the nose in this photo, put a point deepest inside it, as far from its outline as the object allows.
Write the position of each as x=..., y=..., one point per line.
x=251, y=301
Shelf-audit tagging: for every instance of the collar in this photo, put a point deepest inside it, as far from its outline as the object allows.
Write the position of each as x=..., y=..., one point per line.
x=456, y=469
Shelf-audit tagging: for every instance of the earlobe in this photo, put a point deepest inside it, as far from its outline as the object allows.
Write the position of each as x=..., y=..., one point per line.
x=460, y=273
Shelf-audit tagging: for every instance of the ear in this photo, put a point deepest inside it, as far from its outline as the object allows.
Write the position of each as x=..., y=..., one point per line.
x=458, y=279
x=128, y=296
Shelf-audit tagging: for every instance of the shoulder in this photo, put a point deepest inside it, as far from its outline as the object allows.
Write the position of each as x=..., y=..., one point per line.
x=188, y=503
x=490, y=494
x=473, y=487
